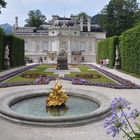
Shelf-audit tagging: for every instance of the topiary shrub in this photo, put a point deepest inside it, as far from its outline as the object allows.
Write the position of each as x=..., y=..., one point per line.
x=130, y=50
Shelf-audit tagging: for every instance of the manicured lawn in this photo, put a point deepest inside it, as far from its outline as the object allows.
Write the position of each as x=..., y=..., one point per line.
x=41, y=68
x=87, y=70
x=36, y=70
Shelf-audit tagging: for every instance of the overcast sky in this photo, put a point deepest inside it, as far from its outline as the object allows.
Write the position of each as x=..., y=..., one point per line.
x=48, y=8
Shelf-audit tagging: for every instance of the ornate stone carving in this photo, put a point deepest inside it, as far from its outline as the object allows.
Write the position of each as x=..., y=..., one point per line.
x=62, y=61
x=57, y=97
x=6, y=58
x=117, y=59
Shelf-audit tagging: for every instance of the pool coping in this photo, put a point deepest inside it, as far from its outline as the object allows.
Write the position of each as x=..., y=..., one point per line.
x=103, y=111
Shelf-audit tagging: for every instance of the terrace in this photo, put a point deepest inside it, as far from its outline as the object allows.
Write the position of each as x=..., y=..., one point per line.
x=89, y=72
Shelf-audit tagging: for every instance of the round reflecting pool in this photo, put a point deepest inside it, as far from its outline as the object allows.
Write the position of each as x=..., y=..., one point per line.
x=28, y=107
x=37, y=106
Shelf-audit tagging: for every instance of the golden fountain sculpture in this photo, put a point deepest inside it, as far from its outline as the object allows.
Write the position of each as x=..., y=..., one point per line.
x=57, y=97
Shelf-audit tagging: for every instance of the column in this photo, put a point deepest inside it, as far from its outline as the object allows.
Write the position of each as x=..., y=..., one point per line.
x=69, y=51
x=81, y=23
x=89, y=24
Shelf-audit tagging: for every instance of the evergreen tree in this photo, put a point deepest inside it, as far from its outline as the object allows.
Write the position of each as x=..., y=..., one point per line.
x=35, y=19
x=2, y=4
x=120, y=15
x=98, y=19
x=2, y=31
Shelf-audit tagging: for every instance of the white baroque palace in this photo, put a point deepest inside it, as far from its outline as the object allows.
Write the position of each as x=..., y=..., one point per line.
x=78, y=37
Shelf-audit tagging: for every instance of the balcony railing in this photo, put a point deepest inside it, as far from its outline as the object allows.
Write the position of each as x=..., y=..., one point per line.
x=76, y=53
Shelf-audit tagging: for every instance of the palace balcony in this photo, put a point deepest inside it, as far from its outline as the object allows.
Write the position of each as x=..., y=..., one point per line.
x=76, y=53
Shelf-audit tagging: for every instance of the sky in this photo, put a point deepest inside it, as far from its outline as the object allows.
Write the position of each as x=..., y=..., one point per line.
x=21, y=8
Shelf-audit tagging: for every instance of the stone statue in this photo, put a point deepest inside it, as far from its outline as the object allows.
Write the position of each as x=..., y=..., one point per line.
x=117, y=59
x=57, y=97
x=62, y=61
x=62, y=53
x=6, y=58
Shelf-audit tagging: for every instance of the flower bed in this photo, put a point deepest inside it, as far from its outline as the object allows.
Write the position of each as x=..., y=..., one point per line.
x=4, y=85
x=6, y=76
x=88, y=76
x=41, y=81
x=35, y=75
x=123, y=83
x=79, y=81
x=113, y=76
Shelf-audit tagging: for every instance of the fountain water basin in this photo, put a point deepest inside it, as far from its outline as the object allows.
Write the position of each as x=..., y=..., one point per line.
x=28, y=106
x=76, y=105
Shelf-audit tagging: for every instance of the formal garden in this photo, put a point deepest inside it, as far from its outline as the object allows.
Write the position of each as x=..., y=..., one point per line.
x=95, y=105
x=88, y=75
x=86, y=101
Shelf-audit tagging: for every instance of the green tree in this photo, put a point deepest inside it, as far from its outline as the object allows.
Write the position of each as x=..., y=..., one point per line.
x=98, y=19
x=35, y=19
x=2, y=31
x=84, y=15
x=120, y=15
x=2, y=4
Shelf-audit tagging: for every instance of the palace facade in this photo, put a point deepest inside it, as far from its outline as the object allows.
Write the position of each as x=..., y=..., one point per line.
x=78, y=38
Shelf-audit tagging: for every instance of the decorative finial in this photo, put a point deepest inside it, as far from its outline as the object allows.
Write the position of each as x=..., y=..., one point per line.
x=16, y=22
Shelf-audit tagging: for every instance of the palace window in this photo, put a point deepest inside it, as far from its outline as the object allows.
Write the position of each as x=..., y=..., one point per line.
x=83, y=46
x=45, y=58
x=37, y=47
x=45, y=46
x=90, y=48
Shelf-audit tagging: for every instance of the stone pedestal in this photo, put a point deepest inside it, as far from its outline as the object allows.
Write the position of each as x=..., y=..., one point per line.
x=117, y=64
x=6, y=63
x=62, y=61
x=62, y=64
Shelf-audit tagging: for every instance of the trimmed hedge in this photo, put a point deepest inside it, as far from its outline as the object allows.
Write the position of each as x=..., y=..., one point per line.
x=16, y=50
x=106, y=49
x=16, y=47
x=130, y=50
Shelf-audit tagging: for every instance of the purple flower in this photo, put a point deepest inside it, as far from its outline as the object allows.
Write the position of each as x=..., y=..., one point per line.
x=124, y=83
x=42, y=80
x=120, y=119
x=134, y=114
x=115, y=124
x=118, y=104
